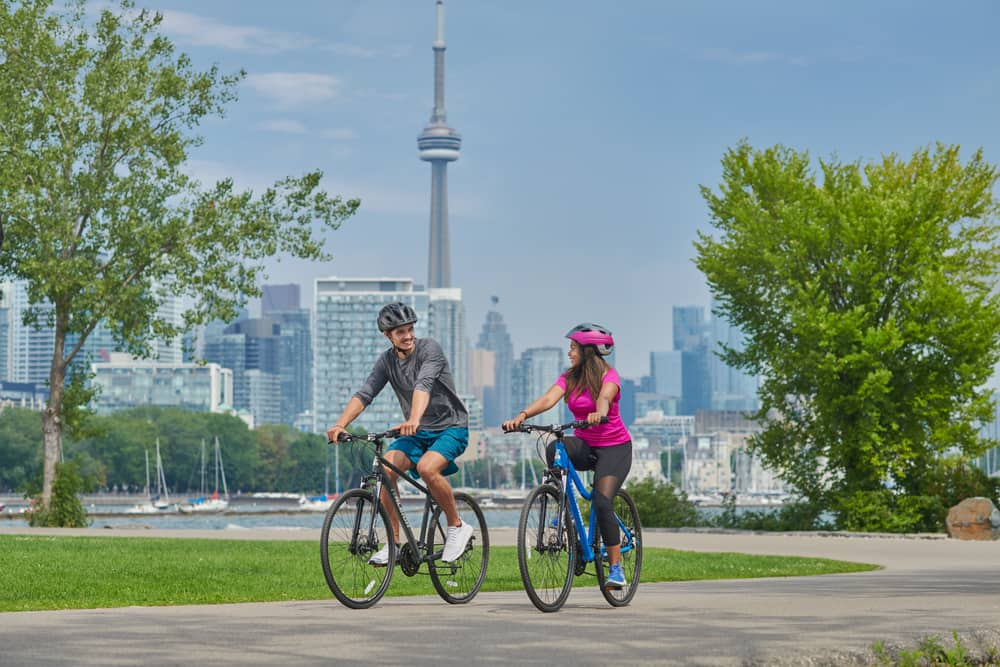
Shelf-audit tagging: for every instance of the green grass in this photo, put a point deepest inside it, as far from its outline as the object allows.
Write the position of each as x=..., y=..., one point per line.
x=41, y=572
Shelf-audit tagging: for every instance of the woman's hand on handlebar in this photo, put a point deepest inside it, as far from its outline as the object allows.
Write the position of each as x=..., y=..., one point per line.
x=597, y=418
x=513, y=424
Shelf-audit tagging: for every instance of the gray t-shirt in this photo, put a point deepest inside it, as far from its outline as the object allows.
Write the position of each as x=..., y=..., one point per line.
x=426, y=369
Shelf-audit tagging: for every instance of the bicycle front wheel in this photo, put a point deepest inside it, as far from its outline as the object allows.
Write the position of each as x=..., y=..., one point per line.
x=631, y=545
x=355, y=528
x=458, y=582
x=546, y=549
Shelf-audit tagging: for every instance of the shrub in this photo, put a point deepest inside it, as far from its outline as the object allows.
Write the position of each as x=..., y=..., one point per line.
x=65, y=509
x=662, y=505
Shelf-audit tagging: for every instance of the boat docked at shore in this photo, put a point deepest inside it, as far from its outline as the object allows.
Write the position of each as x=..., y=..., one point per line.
x=158, y=502
x=316, y=503
x=216, y=502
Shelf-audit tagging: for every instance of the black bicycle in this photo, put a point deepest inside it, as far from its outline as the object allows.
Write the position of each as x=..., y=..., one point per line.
x=357, y=527
x=554, y=544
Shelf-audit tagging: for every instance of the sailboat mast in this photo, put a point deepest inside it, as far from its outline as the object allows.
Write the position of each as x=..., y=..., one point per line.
x=219, y=470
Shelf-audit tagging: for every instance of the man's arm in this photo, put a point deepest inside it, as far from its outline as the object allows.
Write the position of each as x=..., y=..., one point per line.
x=354, y=408
x=421, y=399
x=362, y=399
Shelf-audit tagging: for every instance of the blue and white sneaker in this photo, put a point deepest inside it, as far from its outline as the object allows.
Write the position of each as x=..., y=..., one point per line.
x=616, y=577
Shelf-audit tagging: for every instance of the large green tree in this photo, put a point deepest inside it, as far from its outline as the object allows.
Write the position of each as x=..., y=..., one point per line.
x=866, y=294
x=101, y=221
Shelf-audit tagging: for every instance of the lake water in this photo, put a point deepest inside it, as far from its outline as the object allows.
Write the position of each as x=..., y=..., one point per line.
x=277, y=516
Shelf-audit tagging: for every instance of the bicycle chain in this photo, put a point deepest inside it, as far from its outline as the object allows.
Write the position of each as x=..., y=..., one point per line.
x=407, y=560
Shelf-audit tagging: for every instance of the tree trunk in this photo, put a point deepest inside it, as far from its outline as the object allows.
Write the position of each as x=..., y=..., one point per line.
x=52, y=417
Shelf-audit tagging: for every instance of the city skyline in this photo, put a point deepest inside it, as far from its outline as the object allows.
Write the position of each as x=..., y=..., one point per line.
x=587, y=132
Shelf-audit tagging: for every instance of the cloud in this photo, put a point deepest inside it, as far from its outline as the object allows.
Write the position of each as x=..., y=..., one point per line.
x=203, y=31
x=295, y=89
x=283, y=125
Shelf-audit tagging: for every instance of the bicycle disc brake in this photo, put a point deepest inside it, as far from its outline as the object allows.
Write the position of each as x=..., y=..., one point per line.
x=407, y=560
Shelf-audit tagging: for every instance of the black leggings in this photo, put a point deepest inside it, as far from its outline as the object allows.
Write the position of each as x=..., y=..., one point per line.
x=610, y=466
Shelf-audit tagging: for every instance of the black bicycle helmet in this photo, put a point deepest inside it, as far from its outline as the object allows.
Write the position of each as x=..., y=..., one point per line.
x=395, y=315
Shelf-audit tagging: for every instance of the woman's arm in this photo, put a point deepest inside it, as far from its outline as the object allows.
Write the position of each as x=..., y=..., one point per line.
x=608, y=392
x=538, y=406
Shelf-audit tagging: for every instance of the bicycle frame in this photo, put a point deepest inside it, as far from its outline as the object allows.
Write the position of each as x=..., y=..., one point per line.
x=569, y=481
x=376, y=481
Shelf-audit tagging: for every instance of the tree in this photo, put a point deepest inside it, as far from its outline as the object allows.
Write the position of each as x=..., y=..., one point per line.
x=866, y=299
x=20, y=431
x=97, y=120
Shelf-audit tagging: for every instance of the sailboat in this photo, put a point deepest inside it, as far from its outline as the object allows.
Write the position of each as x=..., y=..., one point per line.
x=320, y=503
x=216, y=502
x=160, y=501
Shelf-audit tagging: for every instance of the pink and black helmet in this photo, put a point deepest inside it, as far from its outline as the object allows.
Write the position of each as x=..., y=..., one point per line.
x=589, y=333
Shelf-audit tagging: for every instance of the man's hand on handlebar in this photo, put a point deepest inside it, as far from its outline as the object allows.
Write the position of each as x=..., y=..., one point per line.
x=333, y=434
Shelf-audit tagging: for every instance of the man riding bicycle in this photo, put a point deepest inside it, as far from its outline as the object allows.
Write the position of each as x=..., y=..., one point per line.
x=436, y=430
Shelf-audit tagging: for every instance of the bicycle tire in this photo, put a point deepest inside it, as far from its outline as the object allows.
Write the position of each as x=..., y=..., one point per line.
x=345, y=549
x=545, y=558
x=459, y=581
x=631, y=559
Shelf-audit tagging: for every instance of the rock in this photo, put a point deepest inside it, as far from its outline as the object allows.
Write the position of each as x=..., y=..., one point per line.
x=974, y=519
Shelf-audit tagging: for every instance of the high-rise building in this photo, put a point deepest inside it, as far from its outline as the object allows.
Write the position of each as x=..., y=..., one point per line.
x=446, y=323
x=690, y=341
x=732, y=389
x=250, y=348
x=481, y=372
x=280, y=298
x=665, y=369
x=494, y=337
x=281, y=303
x=533, y=374
x=439, y=144
x=6, y=294
x=347, y=343
x=31, y=346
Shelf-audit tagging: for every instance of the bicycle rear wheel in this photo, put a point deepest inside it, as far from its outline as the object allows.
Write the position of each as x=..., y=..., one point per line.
x=546, y=553
x=346, y=545
x=631, y=545
x=458, y=582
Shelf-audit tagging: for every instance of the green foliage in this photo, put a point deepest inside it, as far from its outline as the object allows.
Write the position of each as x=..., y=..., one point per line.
x=101, y=219
x=65, y=509
x=867, y=304
x=662, y=505
x=20, y=455
x=931, y=651
x=882, y=511
x=801, y=515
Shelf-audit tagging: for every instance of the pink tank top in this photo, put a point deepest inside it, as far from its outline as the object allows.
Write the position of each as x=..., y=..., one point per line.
x=582, y=404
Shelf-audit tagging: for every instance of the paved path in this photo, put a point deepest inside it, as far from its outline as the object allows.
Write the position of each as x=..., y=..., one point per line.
x=927, y=586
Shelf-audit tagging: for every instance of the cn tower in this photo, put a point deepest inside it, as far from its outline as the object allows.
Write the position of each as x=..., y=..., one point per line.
x=439, y=145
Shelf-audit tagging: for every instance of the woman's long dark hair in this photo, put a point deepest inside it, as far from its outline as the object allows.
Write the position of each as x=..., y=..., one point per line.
x=587, y=374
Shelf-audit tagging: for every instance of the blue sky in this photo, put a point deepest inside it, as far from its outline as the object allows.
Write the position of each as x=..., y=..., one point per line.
x=587, y=128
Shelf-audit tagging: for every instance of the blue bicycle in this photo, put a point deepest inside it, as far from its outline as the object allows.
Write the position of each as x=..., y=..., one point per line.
x=553, y=545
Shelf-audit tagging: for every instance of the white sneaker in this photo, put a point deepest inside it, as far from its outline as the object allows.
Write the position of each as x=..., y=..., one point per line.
x=381, y=557
x=454, y=545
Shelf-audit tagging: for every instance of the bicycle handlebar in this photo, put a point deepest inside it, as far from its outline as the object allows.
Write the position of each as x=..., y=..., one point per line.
x=368, y=437
x=554, y=428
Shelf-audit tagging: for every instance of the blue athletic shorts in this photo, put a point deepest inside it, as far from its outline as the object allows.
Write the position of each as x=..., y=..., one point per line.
x=449, y=443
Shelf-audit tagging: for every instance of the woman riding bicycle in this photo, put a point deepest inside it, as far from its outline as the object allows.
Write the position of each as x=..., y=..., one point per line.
x=592, y=390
